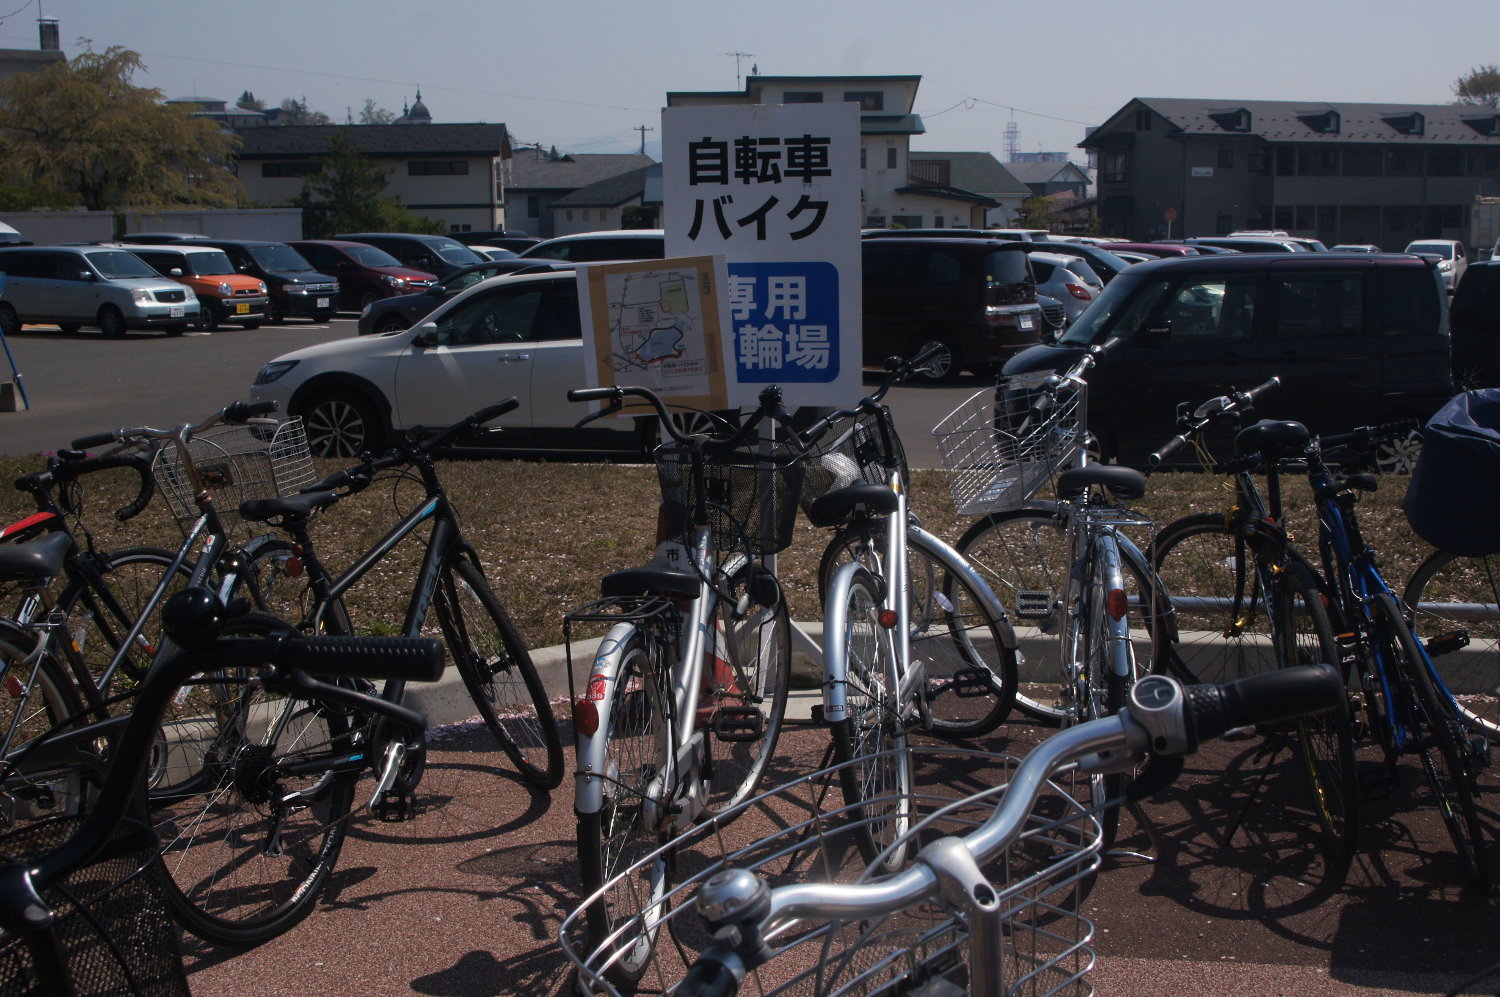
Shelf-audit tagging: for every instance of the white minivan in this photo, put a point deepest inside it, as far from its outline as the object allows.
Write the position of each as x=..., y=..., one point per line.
x=74, y=286
x=1453, y=260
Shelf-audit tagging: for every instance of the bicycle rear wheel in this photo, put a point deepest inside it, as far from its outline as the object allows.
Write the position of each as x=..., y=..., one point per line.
x=38, y=697
x=251, y=801
x=1438, y=739
x=1103, y=688
x=499, y=674
x=1453, y=598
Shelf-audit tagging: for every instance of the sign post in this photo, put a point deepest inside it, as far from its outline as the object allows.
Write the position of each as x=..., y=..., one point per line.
x=1171, y=216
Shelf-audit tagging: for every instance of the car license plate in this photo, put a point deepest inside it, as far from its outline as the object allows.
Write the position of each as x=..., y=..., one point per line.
x=1024, y=322
x=242, y=309
x=176, y=311
x=322, y=302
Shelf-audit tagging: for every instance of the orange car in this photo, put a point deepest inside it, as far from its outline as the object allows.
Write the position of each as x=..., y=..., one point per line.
x=224, y=294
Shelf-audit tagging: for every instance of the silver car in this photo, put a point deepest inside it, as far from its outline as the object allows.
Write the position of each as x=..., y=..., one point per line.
x=1067, y=282
x=74, y=286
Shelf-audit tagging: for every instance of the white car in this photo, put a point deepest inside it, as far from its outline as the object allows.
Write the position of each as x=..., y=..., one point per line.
x=1066, y=280
x=512, y=335
x=1452, y=258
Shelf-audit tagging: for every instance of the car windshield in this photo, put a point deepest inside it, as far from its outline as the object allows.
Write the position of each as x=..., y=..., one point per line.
x=116, y=263
x=1118, y=311
x=372, y=256
x=214, y=264
x=1443, y=249
x=1006, y=267
x=280, y=259
x=456, y=253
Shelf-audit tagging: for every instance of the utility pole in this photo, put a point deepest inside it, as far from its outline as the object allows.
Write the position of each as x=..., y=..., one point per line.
x=737, y=57
x=643, y=130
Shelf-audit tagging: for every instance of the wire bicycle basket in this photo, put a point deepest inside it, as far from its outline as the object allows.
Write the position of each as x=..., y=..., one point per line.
x=752, y=491
x=236, y=464
x=112, y=924
x=1001, y=446
x=858, y=451
x=793, y=834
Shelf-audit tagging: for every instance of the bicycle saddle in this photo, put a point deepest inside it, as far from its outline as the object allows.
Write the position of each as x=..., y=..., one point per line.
x=291, y=508
x=832, y=508
x=35, y=560
x=1273, y=438
x=657, y=575
x=1124, y=483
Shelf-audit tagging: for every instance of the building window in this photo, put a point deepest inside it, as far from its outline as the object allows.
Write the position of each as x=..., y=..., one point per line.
x=868, y=100
x=863, y=157
x=568, y=215
x=533, y=206
x=1257, y=163
x=890, y=158
x=1142, y=119
x=1115, y=168
x=438, y=168
x=1445, y=163
x=802, y=97
x=274, y=170
x=1223, y=224
x=1226, y=159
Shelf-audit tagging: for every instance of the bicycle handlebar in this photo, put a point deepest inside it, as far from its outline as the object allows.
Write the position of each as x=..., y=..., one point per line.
x=770, y=407
x=897, y=370
x=70, y=465
x=235, y=413
x=1163, y=719
x=1218, y=409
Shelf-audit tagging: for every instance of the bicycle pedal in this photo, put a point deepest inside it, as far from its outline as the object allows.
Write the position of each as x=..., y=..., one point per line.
x=1240, y=734
x=1479, y=749
x=738, y=723
x=395, y=806
x=1445, y=643
x=971, y=683
x=1033, y=605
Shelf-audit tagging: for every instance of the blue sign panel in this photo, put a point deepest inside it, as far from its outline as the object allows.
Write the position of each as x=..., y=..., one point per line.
x=785, y=318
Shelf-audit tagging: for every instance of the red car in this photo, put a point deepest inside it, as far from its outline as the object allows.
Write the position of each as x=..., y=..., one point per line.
x=365, y=274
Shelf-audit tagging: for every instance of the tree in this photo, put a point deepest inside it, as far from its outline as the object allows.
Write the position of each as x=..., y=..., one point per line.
x=1036, y=212
x=296, y=112
x=250, y=102
x=85, y=131
x=348, y=195
x=1481, y=87
x=374, y=114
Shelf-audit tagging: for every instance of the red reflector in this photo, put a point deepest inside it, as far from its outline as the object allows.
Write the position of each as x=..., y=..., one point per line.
x=888, y=618
x=294, y=567
x=14, y=687
x=585, y=717
x=1116, y=603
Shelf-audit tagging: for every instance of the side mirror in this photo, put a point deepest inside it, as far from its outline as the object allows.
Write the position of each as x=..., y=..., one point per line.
x=437, y=290
x=86, y=275
x=426, y=337
x=175, y=272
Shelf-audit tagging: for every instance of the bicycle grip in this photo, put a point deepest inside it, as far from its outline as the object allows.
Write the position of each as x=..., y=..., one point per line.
x=591, y=394
x=1254, y=393
x=1262, y=699
x=709, y=977
x=89, y=442
x=414, y=659
x=1172, y=446
x=238, y=412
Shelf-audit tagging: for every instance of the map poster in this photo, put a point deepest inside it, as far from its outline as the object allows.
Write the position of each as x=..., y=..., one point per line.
x=658, y=324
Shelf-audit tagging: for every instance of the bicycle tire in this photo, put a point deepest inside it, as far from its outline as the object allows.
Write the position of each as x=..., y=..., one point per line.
x=619, y=836
x=953, y=634
x=1324, y=742
x=1450, y=593
x=37, y=699
x=1102, y=691
x=1437, y=738
x=749, y=668
x=243, y=866
x=1022, y=554
x=498, y=672
x=870, y=742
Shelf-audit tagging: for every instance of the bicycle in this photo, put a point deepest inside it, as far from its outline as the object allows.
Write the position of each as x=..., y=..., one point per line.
x=223, y=828
x=991, y=902
x=913, y=638
x=697, y=655
x=1068, y=567
x=1247, y=599
x=82, y=906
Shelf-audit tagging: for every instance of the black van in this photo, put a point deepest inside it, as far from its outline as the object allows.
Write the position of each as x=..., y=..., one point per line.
x=1474, y=319
x=1356, y=339
x=974, y=298
x=295, y=288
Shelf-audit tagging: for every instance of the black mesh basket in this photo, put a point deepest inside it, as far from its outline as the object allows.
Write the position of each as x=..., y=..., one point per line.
x=854, y=451
x=752, y=492
x=112, y=927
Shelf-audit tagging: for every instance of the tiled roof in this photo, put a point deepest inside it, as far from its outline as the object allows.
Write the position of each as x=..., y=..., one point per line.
x=976, y=171
x=608, y=193
x=530, y=170
x=1048, y=172
x=1310, y=121
x=301, y=141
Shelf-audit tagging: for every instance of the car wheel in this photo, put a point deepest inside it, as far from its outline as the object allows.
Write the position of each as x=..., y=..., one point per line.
x=208, y=319
x=10, y=322
x=111, y=322
x=174, y=330
x=324, y=316
x=367, y=299
x=249, y=325
x=341, y=424
x=1399, y=456
x=944, y=366
x=70, y=327
x=274, y=315
x=393, y=323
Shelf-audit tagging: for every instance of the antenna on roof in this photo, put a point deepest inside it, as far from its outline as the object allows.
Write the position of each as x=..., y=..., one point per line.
x=737, y=57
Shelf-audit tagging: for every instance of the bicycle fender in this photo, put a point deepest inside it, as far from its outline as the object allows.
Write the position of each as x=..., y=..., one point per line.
x=835, y=644
x=588, y=792
x=954, y=562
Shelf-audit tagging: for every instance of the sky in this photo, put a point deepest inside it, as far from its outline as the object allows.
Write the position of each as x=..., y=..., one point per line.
x=584, y=75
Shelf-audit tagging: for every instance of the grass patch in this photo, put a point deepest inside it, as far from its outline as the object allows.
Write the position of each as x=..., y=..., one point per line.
x=546, y=532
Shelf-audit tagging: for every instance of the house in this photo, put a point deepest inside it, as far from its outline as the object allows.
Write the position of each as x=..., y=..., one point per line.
x=15, y=61
x=1044, y=179
x=972, y=178
x=1339, y=172
x=538, y=179
x=887, y=123
x=603, y=205
x=454, y=173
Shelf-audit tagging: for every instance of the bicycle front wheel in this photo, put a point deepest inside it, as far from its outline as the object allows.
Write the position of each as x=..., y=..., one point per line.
x=616, y=842
x=1108, y=672
x=870, y=741
x=250, y=801
x=1453, y=599
x=499, y=674
x=1437, y=737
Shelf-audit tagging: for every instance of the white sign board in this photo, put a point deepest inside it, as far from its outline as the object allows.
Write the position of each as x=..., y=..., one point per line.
x=775, y=189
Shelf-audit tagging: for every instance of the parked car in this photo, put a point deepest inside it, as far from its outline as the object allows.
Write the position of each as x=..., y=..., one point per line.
x=365, y=273
x=224, y=294
x=515, y=335
x=1452, y=258
x=1202, y=249
x=930, y=233
x=1249, y=244
x=1156, y=249
x=1311, y=245
x=403, y=311
x=598, y=247
x=971, y=297
x=1020, y=234
x=439, y=255
x=1355, y=247
x=295, y=288
x=1105, y=264
x=1066, y=280
x=1131, y=256
x=1474, y=321
x=104, y=286
x=1356, y=339
x=511, y=239
x=492, y=252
